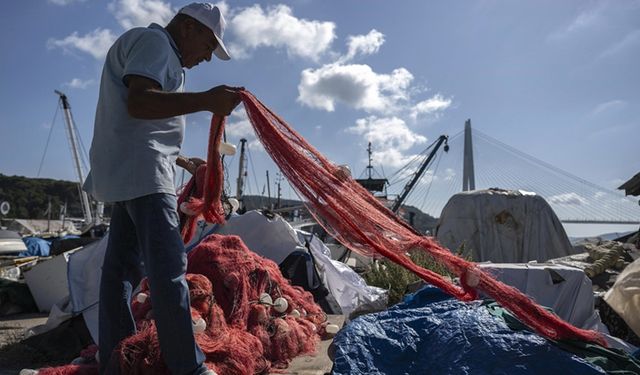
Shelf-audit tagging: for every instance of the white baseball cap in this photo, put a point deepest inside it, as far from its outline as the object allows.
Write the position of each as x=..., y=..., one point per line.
x=210, y=16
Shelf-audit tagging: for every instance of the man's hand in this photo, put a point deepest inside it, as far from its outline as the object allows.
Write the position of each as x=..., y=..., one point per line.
x=190, y=164
x=223, y=99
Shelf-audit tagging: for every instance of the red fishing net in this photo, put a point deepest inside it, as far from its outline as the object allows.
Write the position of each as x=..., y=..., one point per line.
x=200, y=198
x=363, y=224
x=240, y=320
x=247, y=317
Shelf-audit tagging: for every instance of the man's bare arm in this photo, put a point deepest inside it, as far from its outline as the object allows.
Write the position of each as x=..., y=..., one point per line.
x=147, y=101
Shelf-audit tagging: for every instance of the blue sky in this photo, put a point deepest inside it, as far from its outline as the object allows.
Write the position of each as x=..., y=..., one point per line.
x=555, y=79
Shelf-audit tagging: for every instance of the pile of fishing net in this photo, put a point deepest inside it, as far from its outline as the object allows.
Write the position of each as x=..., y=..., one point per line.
x=248, y=319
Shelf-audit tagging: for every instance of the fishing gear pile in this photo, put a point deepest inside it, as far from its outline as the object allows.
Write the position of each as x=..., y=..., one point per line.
x=247, y=318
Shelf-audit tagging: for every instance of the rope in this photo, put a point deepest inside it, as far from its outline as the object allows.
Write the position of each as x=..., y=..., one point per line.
x=46, y=146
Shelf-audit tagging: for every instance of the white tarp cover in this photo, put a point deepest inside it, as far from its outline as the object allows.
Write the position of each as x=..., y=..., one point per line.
x=566, y=290
x=276, y=239
x=83, y=276
x=83, y=272
x=502, y=226
x=624, y=296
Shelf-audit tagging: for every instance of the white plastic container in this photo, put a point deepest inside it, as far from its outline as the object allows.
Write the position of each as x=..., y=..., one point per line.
x=227, y=149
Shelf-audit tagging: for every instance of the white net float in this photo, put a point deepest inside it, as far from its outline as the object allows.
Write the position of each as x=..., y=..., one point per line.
x=199, y=325
x=184, y=208
x=142, y=297
x=227, y=149
x=265, y=298
x=280, y=304
x=331, y=329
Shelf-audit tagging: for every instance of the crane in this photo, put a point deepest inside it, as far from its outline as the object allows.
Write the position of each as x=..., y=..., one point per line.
x=416, y=176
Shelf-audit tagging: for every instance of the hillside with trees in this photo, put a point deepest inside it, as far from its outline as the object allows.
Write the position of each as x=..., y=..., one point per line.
x=29, y=197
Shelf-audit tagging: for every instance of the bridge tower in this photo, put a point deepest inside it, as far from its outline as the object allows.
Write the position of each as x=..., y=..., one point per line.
x=468, y=174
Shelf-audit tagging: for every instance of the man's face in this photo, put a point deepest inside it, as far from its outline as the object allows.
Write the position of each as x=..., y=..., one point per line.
x=199, y=46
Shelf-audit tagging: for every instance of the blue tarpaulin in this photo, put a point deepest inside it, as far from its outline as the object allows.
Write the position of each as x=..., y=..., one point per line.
x=35, y=247
x=431, y=333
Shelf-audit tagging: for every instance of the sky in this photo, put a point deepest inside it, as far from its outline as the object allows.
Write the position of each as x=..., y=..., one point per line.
x=557, y=80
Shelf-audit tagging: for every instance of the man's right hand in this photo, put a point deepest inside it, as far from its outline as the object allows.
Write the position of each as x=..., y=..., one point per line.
x=223, y=99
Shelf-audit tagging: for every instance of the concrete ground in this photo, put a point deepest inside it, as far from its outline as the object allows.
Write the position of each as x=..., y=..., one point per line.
x=318, y=364
x=12, y=331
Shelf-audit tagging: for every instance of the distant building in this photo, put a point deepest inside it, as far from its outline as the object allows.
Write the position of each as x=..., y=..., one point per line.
x=632, y=187
x=27, y=227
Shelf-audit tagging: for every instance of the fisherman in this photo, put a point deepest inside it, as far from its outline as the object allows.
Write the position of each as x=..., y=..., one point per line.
x=138, y=132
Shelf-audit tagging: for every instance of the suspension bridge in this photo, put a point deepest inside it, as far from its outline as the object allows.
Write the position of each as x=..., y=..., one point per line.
x=476, y=160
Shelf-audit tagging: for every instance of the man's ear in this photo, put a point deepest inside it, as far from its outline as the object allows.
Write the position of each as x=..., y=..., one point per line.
x=186, y=28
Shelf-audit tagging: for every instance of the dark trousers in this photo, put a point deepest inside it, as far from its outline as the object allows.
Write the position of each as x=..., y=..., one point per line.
x=146, y=230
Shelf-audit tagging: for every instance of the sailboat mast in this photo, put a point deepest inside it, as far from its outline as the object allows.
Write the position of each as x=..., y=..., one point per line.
x=73, y=143
x=241, y=170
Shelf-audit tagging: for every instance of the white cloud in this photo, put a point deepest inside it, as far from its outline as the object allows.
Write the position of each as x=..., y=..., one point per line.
x=572, y=199
x=78, y=83
x=363, y=44
x=95, y=43
x=449, y=174
x=239, y=125
x=276, y=27
x=434, y=104
x=135, y=13
x=615, y=183
x=256, y=145
x=609, y=106
x=355, y=85
x=585, y=20
x=391, y=137
x=628, y=42
x=392, y=158
x=65, y=2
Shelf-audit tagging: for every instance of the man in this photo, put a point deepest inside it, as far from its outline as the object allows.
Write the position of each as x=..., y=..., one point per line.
x=138, y=133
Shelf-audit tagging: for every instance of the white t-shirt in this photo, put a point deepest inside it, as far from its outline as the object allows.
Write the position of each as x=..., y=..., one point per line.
x=131, y=157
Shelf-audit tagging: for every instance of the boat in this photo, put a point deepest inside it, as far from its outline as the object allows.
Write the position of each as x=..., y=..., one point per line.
x=11, y=242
